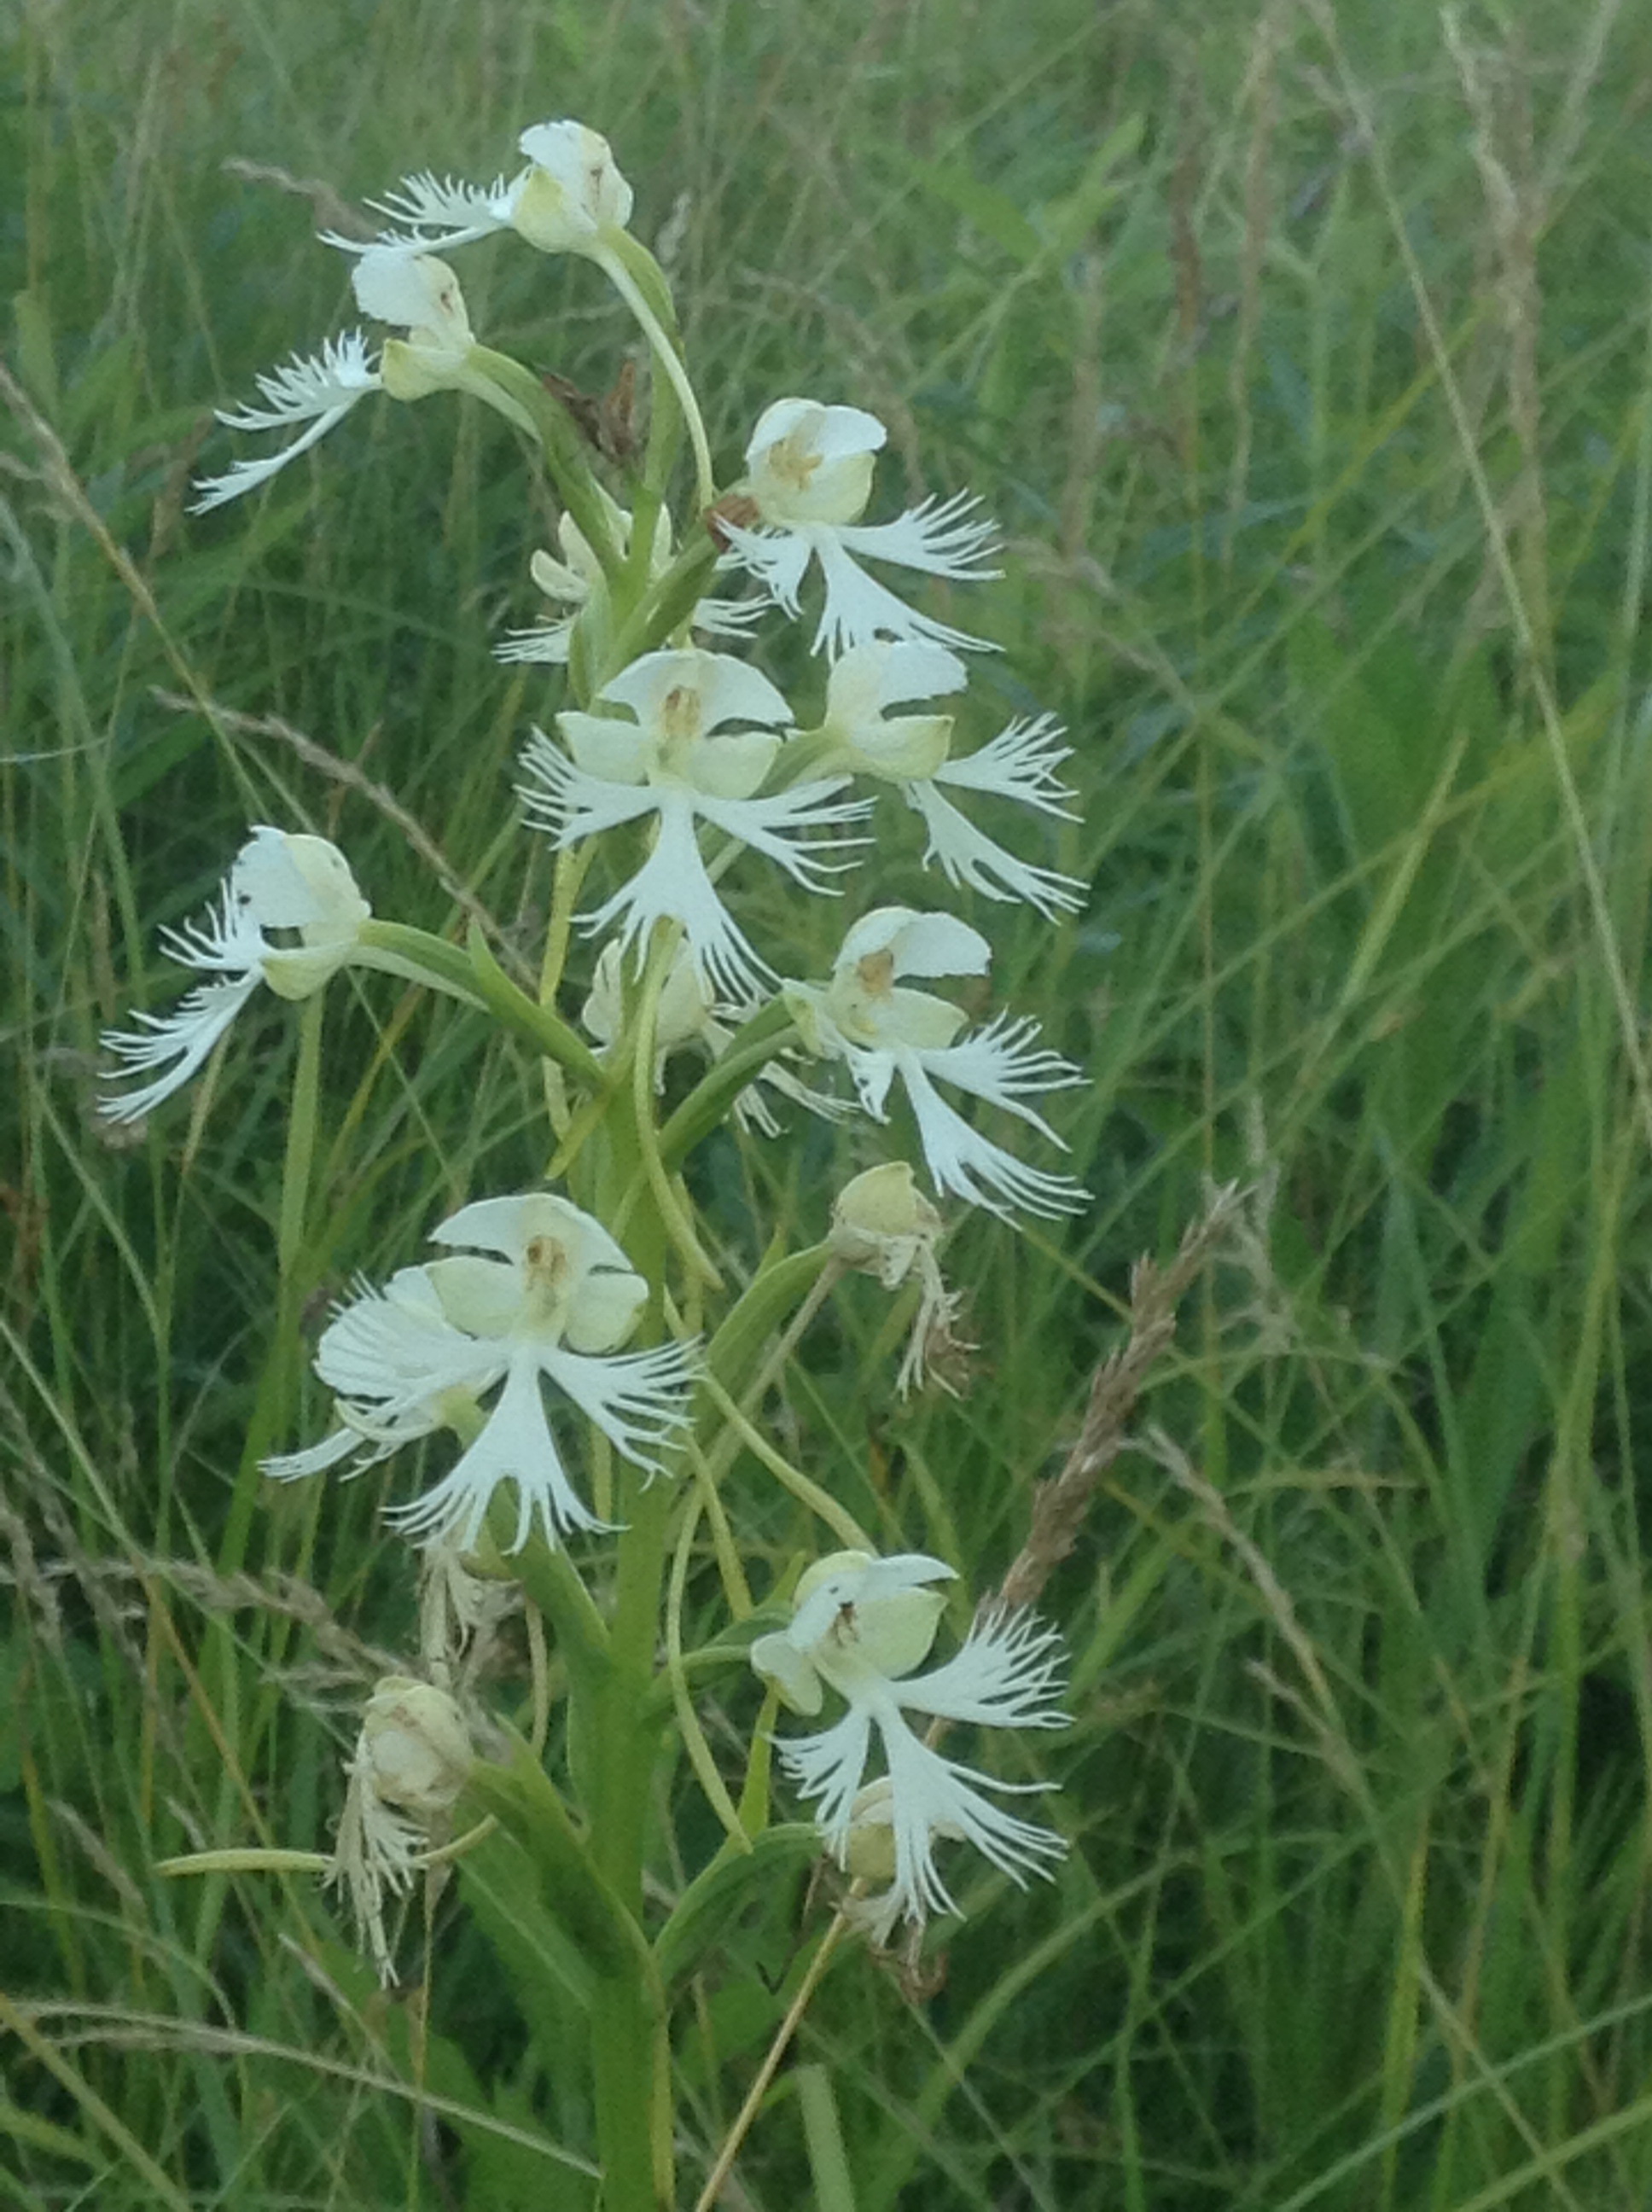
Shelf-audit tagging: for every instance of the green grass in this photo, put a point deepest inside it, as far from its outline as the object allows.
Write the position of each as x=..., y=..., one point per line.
x=1310, y=382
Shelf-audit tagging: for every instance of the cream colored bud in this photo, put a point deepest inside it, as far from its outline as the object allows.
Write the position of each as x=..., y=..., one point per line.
x=417, y=1745
x=869, y=1849
x=879, y=1217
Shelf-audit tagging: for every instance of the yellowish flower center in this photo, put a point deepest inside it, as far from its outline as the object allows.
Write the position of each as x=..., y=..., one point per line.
x=877, y=974
x=547, y=1282
x=792, y=460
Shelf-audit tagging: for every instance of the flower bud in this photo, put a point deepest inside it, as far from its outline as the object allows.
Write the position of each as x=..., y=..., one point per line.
x=417, y=1746
x=573, y=192
x=869, y=1852
x=880, y=1220
x=883, y=1225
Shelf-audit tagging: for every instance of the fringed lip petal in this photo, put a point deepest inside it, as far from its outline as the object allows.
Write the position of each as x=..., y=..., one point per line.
x=318, y=389
x=440, y=212
x=966, y=856
x=176, y=1043
x=516, y=1445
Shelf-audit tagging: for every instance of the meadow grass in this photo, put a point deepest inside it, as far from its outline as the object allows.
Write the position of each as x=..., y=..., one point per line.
x=1302, y=351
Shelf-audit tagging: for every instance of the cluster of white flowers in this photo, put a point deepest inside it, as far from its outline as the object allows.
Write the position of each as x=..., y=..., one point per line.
x=700, y=758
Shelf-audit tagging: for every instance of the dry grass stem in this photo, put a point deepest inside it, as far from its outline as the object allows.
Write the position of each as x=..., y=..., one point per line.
x=1059, y=1504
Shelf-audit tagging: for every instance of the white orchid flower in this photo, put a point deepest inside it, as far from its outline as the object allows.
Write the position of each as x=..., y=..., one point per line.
x=864, y=1017
x=678, y=760
x=419, y=296
x=299, y=886
x=555, y=1305
x=574, y=580
x=808, y=472
x=914, y=752
x=568, y=199
x=859, y=1626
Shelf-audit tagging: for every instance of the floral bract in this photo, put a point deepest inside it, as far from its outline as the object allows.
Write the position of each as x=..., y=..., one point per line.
x=417, y=1356
x=859, y=1626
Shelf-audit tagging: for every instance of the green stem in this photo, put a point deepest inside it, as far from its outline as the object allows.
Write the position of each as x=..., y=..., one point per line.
x=298, y=1167
x=630, y=2054
x=663, y=346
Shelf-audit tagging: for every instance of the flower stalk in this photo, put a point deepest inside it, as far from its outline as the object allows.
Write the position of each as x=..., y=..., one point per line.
x=572, y=1385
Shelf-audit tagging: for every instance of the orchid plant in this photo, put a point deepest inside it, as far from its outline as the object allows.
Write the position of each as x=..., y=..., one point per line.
x=572, y=1366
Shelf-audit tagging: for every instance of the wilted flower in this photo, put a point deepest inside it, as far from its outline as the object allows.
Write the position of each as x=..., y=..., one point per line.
x=861, y=1625
x=679, y=760
x=685, y=1013
x=577, y=578
x=417, y=1356
x=299, y=886
x=569, y=199
x=420, y=296
x=914, y=752
x=808, y=472
x=460, y=1614
x=864, y=1017
x=410, y=1762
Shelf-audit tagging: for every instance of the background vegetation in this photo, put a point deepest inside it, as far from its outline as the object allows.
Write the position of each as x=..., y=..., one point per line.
x=1303, y=349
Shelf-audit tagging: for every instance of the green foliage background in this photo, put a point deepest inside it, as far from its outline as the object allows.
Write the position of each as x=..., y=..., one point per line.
x=1302, y=351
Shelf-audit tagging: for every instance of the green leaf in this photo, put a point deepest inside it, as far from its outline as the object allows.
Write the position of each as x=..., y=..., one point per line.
x=716, y=1896
x=541, y=1028
x=501, y=1886
x=779, y=1285
x=706, y=1106
x=993, y=213
x=1067, y=223
x=522, y=1800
